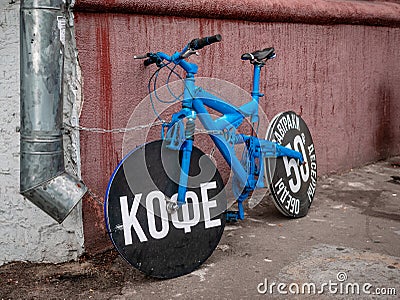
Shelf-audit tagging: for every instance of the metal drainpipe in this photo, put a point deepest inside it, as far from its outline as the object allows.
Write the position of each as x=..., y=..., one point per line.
x=43, y=179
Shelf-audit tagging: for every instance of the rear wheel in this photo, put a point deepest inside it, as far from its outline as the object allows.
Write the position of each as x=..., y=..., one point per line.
x=154, y=241
x=292, y=185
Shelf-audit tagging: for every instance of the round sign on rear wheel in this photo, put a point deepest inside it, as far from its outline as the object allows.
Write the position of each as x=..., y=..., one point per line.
x=292, y=185
x=159, y=243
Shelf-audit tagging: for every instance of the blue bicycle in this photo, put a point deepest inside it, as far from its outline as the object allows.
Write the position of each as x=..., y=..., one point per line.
x=165, y=205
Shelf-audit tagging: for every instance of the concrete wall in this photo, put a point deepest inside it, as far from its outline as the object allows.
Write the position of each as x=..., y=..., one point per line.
x=337, y=65
x=27, y=233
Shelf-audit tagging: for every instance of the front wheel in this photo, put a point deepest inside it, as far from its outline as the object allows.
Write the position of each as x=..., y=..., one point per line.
x=292, y=185
x=147, y=236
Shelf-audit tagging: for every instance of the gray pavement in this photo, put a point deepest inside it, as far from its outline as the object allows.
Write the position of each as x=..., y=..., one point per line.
x=347, y=247
x=350, y=238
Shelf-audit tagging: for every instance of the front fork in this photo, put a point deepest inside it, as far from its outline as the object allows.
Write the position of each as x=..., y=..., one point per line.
x=184, y=176
x=180, y=137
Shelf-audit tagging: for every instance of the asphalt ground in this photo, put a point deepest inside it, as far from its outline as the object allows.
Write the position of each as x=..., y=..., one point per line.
x=347, y=247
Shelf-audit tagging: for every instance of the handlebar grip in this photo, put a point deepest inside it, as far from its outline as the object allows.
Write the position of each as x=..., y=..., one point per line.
x=140, y=56
x=198, y=44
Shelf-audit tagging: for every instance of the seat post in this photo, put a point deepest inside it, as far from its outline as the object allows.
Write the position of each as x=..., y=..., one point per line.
x=255, y=93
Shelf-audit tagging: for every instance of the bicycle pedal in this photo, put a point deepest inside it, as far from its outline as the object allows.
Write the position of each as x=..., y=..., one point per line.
x=232, y=216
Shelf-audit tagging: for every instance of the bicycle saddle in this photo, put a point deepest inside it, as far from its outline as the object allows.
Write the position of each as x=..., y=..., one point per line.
x=260, y=55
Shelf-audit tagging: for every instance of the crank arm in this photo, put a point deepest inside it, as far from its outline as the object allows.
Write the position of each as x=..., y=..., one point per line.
x=283, y=151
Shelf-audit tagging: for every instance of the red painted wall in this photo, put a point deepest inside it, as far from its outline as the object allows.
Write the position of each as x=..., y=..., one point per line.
x=343, y=80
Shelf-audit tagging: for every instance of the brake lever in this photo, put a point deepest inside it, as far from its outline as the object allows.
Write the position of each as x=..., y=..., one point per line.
x=151, y=58
x=189, y=52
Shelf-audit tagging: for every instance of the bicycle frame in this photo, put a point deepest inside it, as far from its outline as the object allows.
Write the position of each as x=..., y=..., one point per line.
x=222, y=131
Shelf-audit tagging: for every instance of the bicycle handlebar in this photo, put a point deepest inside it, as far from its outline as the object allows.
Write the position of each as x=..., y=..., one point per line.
x=195, y=44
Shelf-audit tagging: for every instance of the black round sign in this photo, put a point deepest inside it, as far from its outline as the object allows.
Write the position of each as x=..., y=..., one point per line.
x=159, y=243
x=292, y=185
